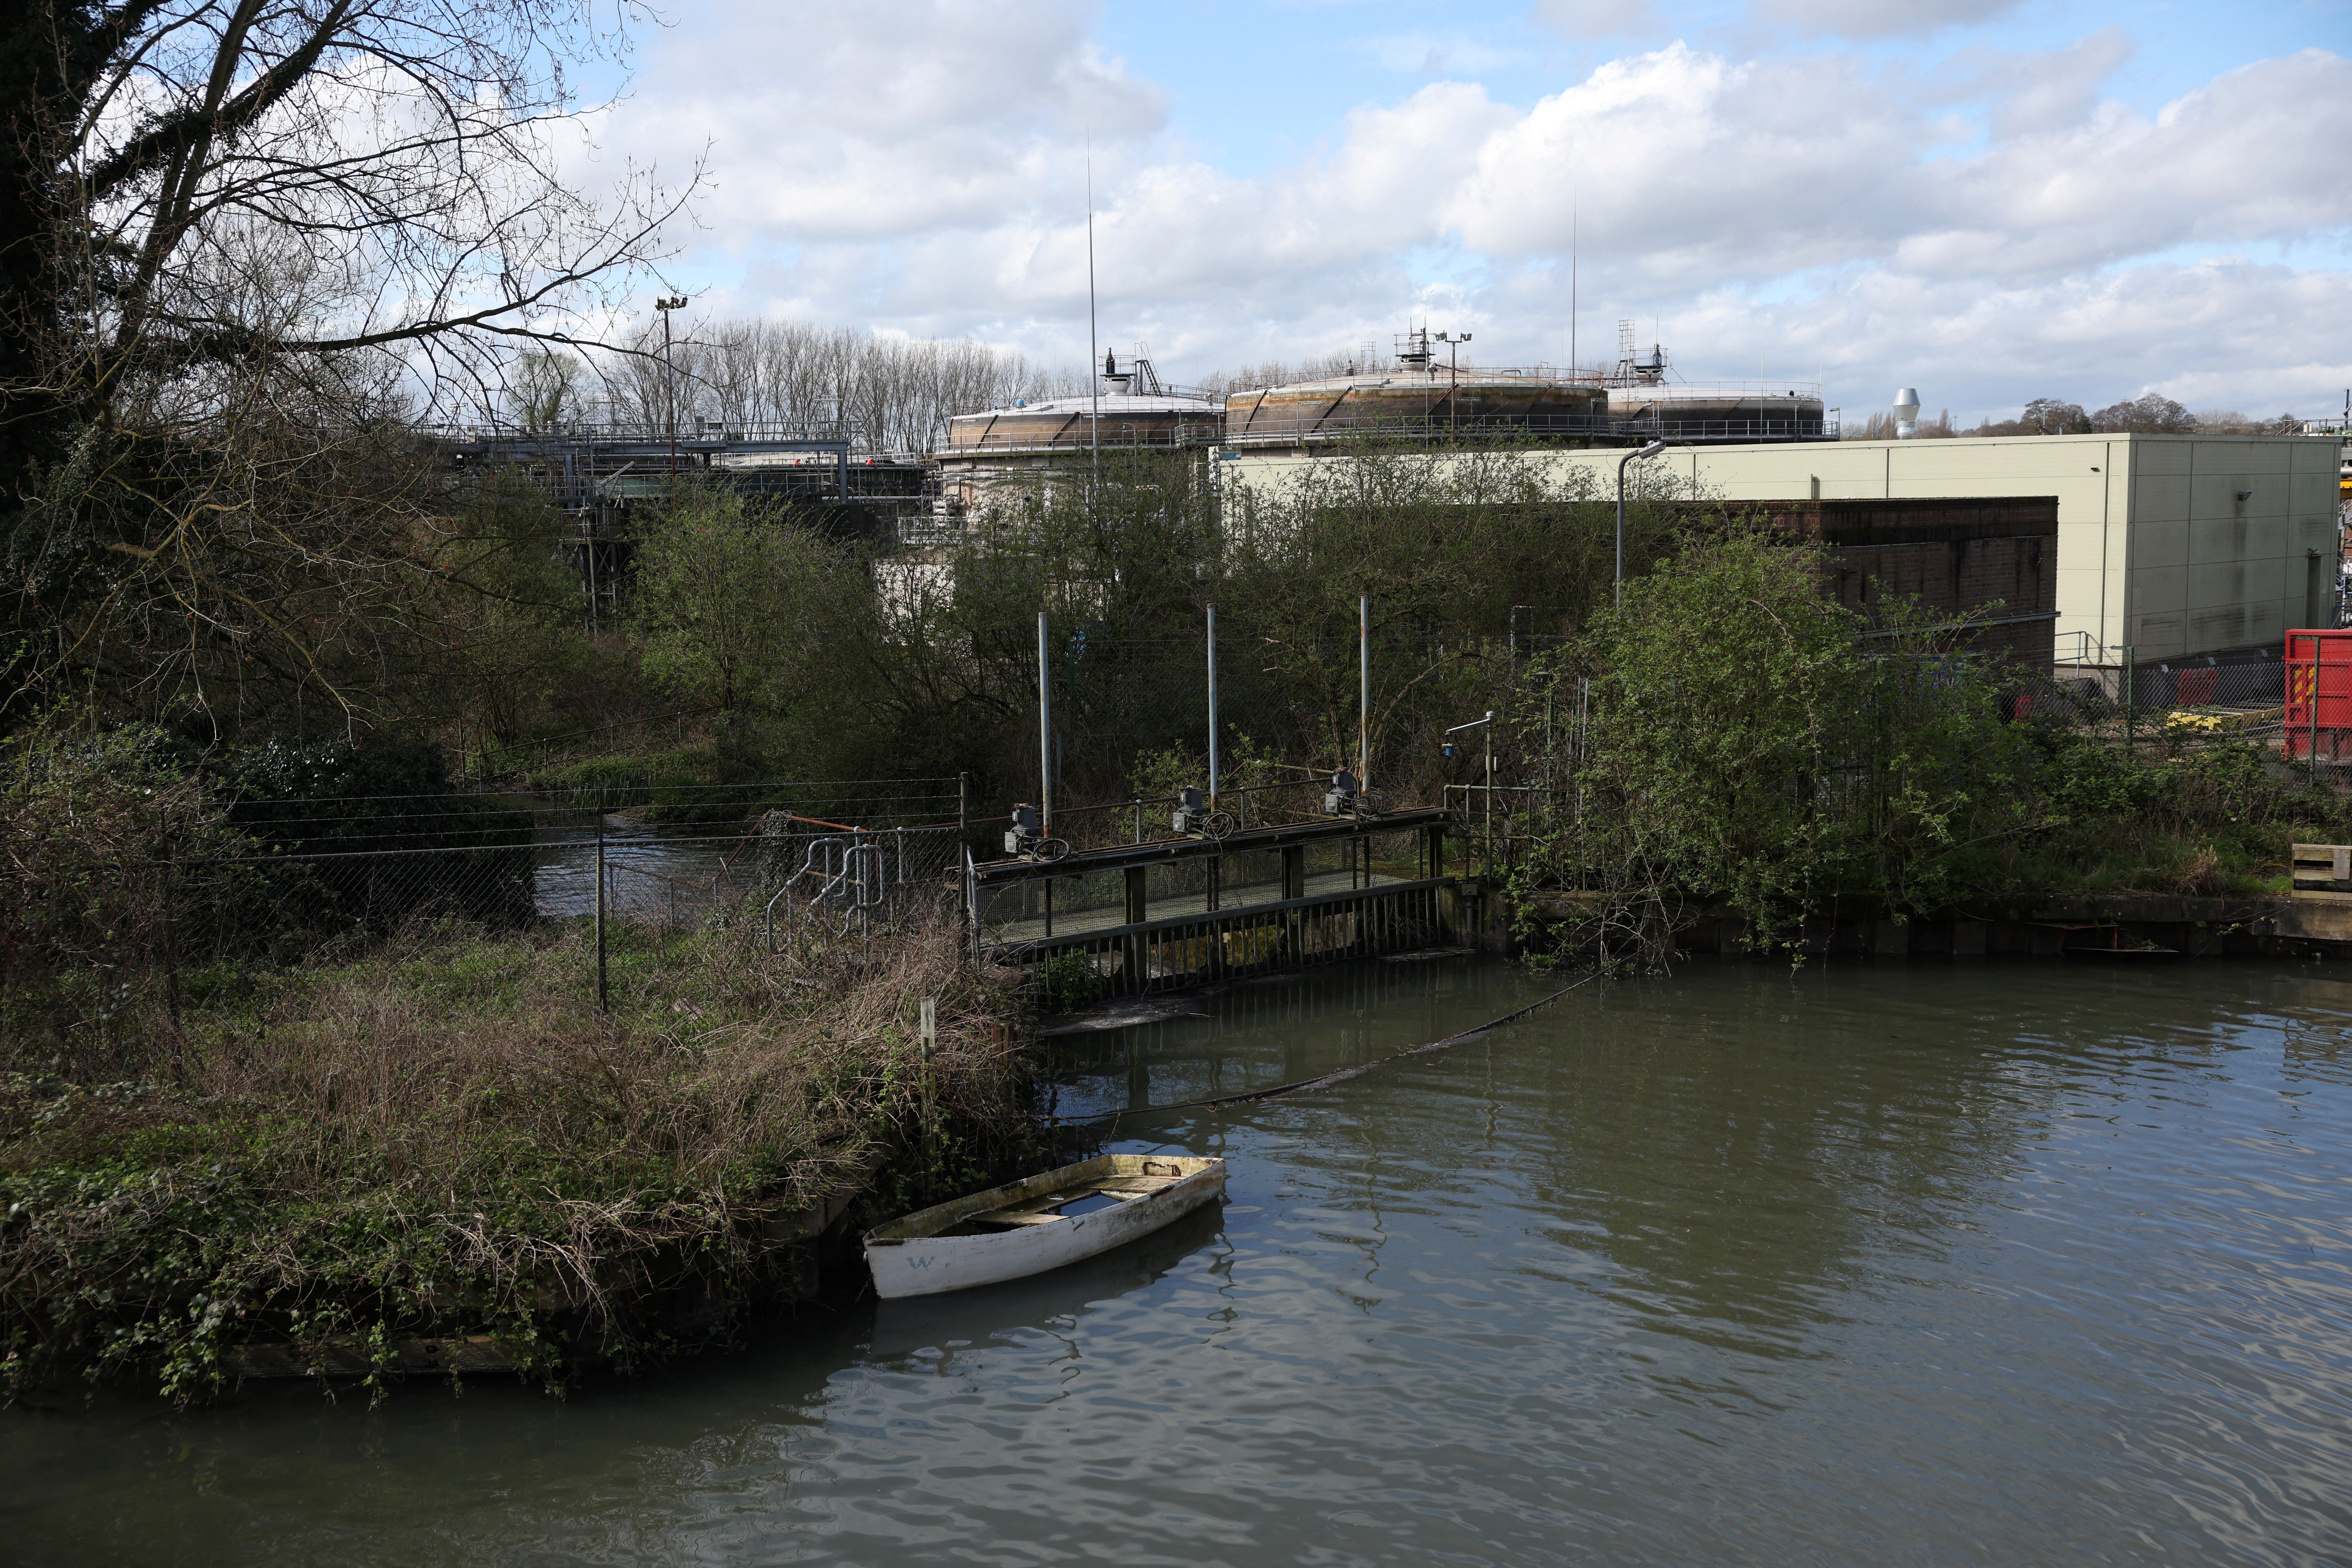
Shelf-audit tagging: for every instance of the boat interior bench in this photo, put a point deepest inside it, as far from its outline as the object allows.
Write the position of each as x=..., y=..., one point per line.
x=1047, y=1209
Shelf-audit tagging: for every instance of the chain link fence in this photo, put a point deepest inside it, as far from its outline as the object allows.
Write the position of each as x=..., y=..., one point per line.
x=319, y=880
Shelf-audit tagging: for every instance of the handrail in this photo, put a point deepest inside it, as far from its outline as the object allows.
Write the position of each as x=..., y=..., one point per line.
x=1242, y=911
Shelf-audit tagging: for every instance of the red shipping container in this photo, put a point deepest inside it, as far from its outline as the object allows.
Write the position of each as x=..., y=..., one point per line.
x=2318, y=694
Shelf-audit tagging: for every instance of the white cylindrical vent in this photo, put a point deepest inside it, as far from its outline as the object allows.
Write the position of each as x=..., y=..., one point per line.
x=1906, y=413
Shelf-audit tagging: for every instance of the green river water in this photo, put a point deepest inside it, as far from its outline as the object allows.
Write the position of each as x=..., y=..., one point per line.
x=1938, y=1263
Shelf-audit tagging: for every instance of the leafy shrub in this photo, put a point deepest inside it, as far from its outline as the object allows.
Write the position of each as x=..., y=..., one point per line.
x=1071, y=981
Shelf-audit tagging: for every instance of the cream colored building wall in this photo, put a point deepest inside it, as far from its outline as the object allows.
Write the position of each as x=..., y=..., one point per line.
x=2233, y=541
x=2155, y=548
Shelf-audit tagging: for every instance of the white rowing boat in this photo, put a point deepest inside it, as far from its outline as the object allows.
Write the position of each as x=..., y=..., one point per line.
x=1027, y=1228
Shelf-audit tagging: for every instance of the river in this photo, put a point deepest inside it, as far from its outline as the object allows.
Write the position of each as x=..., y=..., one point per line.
x=1865, y=1264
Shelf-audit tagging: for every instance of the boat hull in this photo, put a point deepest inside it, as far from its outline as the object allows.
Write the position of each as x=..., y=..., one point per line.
x=908, y=1257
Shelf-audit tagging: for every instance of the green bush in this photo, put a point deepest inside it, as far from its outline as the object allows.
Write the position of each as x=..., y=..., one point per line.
x=1071, y=982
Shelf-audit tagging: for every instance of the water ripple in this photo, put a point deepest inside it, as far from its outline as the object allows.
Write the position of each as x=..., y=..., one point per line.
x=1869, y=1265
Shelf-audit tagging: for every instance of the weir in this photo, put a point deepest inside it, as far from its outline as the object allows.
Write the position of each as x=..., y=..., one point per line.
x=1174, y=913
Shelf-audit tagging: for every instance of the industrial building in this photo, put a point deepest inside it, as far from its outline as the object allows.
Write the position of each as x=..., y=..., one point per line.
x=1422, y=397
x=2170, y=546
x=597, y=473
x=2166, y=547
x=1988, y=565
x=996, y=450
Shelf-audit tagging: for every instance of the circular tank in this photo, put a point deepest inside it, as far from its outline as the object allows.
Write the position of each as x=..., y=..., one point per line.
x=1415, y=401
x=1069, y=423
x=1686, y=411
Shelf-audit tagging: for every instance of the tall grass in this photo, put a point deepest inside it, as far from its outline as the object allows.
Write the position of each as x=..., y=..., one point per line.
x=446, y=1136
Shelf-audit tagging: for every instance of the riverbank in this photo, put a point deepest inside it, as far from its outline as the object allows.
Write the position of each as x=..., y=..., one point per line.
x=440, y=1156
x=2144, y=925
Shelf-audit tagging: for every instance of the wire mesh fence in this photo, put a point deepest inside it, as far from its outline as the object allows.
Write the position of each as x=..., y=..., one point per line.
x=323, y=879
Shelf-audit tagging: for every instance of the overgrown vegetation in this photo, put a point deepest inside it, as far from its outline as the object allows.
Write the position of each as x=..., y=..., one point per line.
x=827, y=658
x=446, y=1138
x=301, y=1110
x=1731, y=736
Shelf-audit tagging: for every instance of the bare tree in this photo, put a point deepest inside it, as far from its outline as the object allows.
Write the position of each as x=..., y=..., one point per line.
x=243, y=242
x=892, y=393
x=545, y=394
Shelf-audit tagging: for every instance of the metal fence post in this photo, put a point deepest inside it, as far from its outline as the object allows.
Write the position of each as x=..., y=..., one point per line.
x=930, y=1024
x=2131, y=659
x=171, y=962
x=2317, y=647
x=601, y=999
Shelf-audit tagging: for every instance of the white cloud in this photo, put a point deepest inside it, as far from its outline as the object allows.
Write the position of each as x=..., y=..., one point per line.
x=2050, y=90
x=1597, y=18
x=1879, y=18
x=1433, y=54
x=2247, y=157
x=1986, y=222
x=877, y=119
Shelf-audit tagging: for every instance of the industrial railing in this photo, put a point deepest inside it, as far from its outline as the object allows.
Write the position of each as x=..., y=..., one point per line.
x=1079, y=437
x=689, y=431
x=1307, y=428
x=1194, y=949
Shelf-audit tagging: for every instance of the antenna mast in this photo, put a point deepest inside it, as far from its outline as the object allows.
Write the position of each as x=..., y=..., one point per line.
x=1094, y=366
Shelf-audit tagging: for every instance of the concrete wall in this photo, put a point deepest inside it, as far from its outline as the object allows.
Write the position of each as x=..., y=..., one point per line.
x=2155, y=548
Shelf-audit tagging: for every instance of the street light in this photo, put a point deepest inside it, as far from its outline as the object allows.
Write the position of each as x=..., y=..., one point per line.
x=1652, y=450
x=1489, y=723
x=1453, y=342
x=666, y=304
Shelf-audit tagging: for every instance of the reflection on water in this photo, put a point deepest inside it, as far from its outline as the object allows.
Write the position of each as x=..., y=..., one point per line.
x=1908, y=1263
x=650, y=873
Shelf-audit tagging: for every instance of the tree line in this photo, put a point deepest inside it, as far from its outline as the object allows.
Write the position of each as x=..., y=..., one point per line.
x=895, y=394
x=2150, y=414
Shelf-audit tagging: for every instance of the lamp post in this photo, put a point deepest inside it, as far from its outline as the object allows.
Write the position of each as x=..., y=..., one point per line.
x=1488, y=723
x=1453, y=342
x=1651, y=451
x=666, y=304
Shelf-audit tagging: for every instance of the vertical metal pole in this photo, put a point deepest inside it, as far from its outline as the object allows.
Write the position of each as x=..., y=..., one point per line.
x=971, y=900
x=1619, y=601
x=928, y=1023
x=963, y=806
x=2316, y=647
x=1364, y=692
x=1213, y=707
x=1094, y=349
x=172, y=957
x=2131, y=659
x=1044, y=735
x=601, y=994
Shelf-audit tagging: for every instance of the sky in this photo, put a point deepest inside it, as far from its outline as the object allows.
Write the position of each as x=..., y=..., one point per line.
x=1992, y=202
